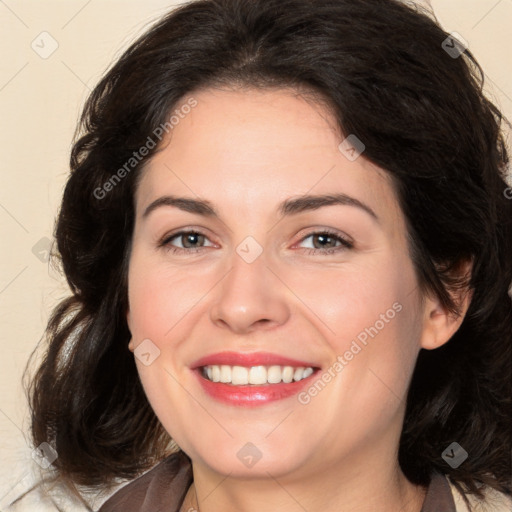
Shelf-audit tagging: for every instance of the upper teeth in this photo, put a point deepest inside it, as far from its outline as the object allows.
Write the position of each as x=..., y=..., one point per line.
x=240, y=375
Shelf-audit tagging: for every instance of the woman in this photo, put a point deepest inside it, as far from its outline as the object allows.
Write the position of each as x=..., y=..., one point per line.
x=340, y=336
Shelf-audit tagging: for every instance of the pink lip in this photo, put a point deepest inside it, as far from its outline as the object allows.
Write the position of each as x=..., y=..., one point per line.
x=249, y=359
x=250, y=395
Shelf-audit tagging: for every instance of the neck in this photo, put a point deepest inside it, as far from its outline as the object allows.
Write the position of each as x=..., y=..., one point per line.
x=346, y=488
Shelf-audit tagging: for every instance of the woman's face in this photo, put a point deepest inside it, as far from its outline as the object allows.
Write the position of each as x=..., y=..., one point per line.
x=263, y=277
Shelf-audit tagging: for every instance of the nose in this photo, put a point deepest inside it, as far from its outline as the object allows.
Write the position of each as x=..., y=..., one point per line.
x=250, y=297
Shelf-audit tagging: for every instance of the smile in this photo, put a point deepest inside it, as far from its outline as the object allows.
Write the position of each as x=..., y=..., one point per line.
x=252, y=379
x=255, y=375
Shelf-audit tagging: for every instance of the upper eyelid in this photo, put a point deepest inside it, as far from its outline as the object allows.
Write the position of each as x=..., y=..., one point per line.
x=185, y=231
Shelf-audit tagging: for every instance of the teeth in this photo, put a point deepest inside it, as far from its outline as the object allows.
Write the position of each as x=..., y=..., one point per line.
x=225, y=373
x=257, y=375
x=287, y=374
x=307, y=372
x=241, y=375
x=274, y=375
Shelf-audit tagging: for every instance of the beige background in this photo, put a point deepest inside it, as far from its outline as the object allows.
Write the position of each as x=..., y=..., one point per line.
x=40, y=100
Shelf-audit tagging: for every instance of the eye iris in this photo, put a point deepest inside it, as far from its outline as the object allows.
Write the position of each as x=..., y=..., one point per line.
x=190, y=236
x=324, y=237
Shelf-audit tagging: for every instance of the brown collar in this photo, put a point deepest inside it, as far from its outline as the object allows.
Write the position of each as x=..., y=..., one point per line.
x=439, y=496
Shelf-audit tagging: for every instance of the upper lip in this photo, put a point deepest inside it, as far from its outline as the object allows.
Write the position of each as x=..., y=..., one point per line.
x=249, y=359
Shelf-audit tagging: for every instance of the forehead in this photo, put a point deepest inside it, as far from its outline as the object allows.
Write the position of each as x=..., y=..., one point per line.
x=254, y=148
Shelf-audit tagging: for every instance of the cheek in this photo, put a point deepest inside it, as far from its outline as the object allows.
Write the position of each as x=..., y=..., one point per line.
x=160, y=299
x=359, y=301
x=161, y=308
x=372, y=323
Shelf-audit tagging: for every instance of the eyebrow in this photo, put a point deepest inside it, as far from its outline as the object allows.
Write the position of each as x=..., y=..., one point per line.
x=288, y=207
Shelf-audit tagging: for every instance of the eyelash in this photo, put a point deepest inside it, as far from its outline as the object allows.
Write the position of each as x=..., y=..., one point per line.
x=345, y=244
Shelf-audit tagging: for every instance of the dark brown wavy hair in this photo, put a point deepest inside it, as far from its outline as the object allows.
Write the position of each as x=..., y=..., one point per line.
x=381, y=67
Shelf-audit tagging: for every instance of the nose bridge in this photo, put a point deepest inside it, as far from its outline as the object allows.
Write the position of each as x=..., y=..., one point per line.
x=249, y=294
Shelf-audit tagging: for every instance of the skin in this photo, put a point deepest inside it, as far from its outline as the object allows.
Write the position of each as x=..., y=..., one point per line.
x=246, y=151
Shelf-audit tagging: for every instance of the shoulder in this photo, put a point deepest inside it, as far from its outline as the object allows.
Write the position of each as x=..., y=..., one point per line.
x=494, y=501
x=30, y=486
x=44, y=491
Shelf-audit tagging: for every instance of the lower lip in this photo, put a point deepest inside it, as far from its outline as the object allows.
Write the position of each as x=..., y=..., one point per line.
x=251, y=395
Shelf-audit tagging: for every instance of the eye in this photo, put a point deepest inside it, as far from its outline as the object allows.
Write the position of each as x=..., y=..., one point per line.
x=190, y=240
x=327, y=242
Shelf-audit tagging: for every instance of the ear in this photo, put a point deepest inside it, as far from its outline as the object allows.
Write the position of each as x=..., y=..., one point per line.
x=439, y=325
x=131, y=345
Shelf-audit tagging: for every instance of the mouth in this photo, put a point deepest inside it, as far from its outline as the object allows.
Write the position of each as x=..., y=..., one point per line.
x=252, y=379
